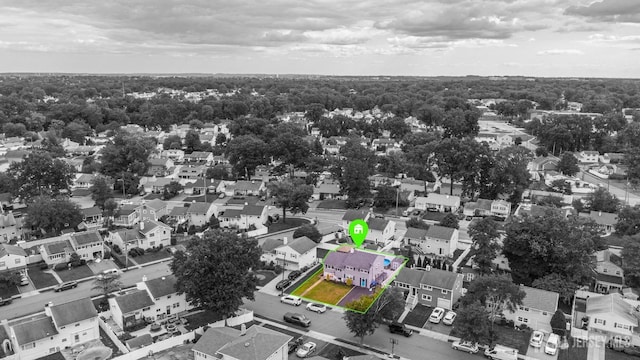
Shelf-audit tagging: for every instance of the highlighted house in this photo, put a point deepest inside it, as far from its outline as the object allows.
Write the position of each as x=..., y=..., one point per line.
x=359, y=268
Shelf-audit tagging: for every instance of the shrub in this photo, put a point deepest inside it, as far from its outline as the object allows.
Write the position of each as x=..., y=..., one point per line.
x=44, y=266
x=107, y=254
x=349, y=281
x=83, y=262
x=117, y=250
x=160, y=247
x=60, y=266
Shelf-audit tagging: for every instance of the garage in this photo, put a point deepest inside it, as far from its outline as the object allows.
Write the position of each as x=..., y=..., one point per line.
x=444, y=303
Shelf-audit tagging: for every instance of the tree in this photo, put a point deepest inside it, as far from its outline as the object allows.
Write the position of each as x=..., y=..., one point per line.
x=507, y=175
x=192, y=142
x=218, y=172
x=631, y=262
x=485, y=235
x=561, y=185
x=52, y=214
x=557, y=283
x=221, y=139
x=602, y=200
x=558, y=323
x=309, y=231
x=40, y=174
x=290, y=148
x=472, y=324
x=6, y=183
x=353, y=171
x=497, y=293
x=107, y=284
x=628, y=220
x=450, y=220
x=51, y=145
x=172, y=189
x=172, y=142
x=101, y=191
x=216, y=274
x=109, y=210
x=386, y=197
x=550, y=243
x=74, y=259
x=541, y=151
x=245, y=153
x=568, y=164
x=291, y=196
x=76, y=131
x=128, y=153
x=632, y=159
x=365, y=313
x=416, y=223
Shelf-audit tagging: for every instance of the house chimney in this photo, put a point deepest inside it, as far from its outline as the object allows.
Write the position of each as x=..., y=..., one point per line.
x=141, y=225
x=144, y=278
x=243, y=330
x=163, y=278
x=428, y=267
x=284, y=240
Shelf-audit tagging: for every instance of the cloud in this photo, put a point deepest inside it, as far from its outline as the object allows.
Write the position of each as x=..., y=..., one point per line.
x=609, y=11
x=560, y=52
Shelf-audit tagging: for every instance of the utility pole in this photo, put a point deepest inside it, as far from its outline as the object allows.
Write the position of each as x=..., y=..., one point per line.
x=394, y=342
x=284, y=264
x=126, y=250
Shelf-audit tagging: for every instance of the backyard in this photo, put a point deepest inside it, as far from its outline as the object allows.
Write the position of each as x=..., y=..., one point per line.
x=201, y=318
x=40, y=278
x=290, y=224
x=328, y=292
x=76, y=273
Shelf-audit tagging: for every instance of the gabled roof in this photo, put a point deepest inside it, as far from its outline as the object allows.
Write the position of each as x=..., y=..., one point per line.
x=354, y=214
x=540, y=299
x=377, y=224
x=440, y=232
x=415, y=233
x=253, y=210
x=73, y=311
x=85, y=178
x=199, y=208
x=232, y=213
x=612, y=303
x=357, y=259
x=92, y=211
x=85, y=238
x=258, y=343
x=34, y=330
x=58, y=247
x=441, y=199
x=162, y=286
x=610, y=278
x=7, y=220
x=271, y=244
x=302, y=245
x=133, y=301
x=482, y=204
x=434, y=277
x=156, y=204
x=158, y=161
x=245, y=185
x=6, y=249
x=604, y=218
x=149, y=225
x=331, y=188
x=178, y=211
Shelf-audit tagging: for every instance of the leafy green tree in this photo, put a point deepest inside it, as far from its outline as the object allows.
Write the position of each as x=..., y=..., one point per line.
x=218, y=172
x=462, y=160
x=485, y=235
x=51, y=144
x=497, y=293
x=628, y=220
x=353, y=171
x=602, y=200
x=6, y=183
x=419, y=152
x=74, y=260
x=216, y=275
x=631, y=262
x=416, y=223
x=127, y=153
x=557, y=283
x=632, y=159
x=101, y=191
x=450, y=220
x=291, y=196
x=221, y=139
x=40, y=174
x=10, y=278
x=309, y=231
x=568, y=164
x=52, y=214
x=473, y=324
x=107, y=284
x=393, y=164
x=109, y=210
x=558, y=323
x=172, y=142
x=245, y=153
x=192, y=142
x=77, y=131
x=386, y=197
x=365, y=313
x=314, y=112
x=172, y=189
x=11, y=129
x=291, y=149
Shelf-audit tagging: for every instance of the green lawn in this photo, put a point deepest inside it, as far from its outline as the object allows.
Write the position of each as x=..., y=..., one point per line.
x=77, y=273
x=40, y=278
x=576, y=352
x=8, y=291
x=510, y=337
x=307, y=284
x=328, y=292
x=268, y=276
x=152, y=256
x=290, y=224
x=332, y=204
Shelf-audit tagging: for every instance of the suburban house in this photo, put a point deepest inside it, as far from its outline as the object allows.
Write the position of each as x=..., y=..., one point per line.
x=245, y=188
x=438, y=202
x=608, y=273
x=329, y=190
x=92, y=218
x=542, y=164
x=500, y=208
x=131, y=308
x=614, y=317
x=381, y=230
x=157, y=185
x=201, y=186
x=175, y=155
x=244, y=218
x=199, y=157
x=538, y=306
x=430, y=287
x=605, y=221
x=12, y=258
x=588, y=157
x=351, y=215
x=192, y=172
x=56, y=252
x=88, y=245
x=359, y=268
x=64, y=325
x=438, y=240
x=84, y=181
x=166, y=299
x=9, y=227
x=255, y=343
x=178, y=214
x=160, y=167
x=295, y=254
x=145, y=235
x=127, y=215
x=155, y=209
x=480, y=207
x=199, y=213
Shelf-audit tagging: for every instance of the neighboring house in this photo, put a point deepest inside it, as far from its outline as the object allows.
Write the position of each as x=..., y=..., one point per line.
x=166, y=299
x=605, y=221
x=255, y=343
x=131, y=308
x=199, y=156
x=538, y=306
x=157, y=185
x=12, y=258
x=9, y=227
x=84, y=181
x=327, y=191
x=500, y=208
x=381, y=230
x=160, y=167
x=438, y=240
x=245, y=188
x=145, y=235
x=250, y=215
x=588, y=157
x=64, y=325
x=192, y=172
x=542, y=164
x=156, y=209
x=88, y=245
x=608, y=273
x=295, y=254
x=613, y=317
x=358, y=268
x=175, y=155
x=56, y=252
x=430, y=287
x=480, y=207
x=351, y=215
x=179, y=214
x=201, y=186
x=92, y=217
x=199, y=213
x=127, y=216
x=438, y=202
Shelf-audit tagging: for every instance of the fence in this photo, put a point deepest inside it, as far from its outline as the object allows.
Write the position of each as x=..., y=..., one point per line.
x=244, y=316
x=111, y=334
x=157, y=347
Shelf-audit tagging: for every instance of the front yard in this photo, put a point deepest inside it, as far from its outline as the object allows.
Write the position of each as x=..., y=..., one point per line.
x=152, y=256
x=299, y=289
x=332, y=204
x=418, y=316
x=80, y=272
x=509, y=337
x=328, y=292
x=40, y=278
x=290, y=224
x=7, y=291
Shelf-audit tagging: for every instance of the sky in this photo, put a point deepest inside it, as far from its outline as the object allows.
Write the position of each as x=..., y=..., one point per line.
x=550, y=38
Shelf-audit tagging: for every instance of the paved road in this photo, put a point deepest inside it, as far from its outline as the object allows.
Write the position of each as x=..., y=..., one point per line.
x=331, y=323
x=619, y=192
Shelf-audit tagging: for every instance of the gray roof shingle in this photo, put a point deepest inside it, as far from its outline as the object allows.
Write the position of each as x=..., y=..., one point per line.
x=34, y=330
x=440, y=232
x=434, y=277
x=540, y=299
x=73, y=311
x=258, y=343
x=162, y=286
x=357, y=259
x=133, y=301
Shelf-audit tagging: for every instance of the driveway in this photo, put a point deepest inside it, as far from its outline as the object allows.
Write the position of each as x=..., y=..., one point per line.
x=104, y=264
x=538, y=353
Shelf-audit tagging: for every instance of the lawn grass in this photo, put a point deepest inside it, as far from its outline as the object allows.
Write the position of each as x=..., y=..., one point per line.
x=202, y=318
x=268, y=276
x=328, y=292
x=575, y=352
x=152, y=256
x=8, y=291
x=332, y=204
x=510, y=337
x=307, y=284
x=40, y=278
x=418, y=316
x=332, y=351
x=290, y=224
x=77, y=273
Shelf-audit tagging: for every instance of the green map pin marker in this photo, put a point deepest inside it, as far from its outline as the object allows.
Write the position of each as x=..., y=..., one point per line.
x=358, y=230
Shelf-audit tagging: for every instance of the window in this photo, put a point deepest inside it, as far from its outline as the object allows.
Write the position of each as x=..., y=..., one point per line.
x=445, y=292
x=147, y=308
x=525, y=320
x=426, y=297
x=168, y=296
x=600, y=321
x=176, y=305
x=17, y=261
x=2, y=264
x=604, y=270
x=78, y=324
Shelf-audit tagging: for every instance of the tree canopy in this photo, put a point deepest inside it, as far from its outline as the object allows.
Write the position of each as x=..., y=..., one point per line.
x=485, y=235
x=51, y=215
x=365, y=313
x=291, y=196
x=39, y=174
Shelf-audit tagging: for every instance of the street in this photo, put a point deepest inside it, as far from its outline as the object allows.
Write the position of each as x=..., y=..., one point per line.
x=618, y=192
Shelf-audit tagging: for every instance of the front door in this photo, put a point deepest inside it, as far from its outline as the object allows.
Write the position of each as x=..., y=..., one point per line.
x=168, y=309
x=363, y=282
x=414, y=291
x=76, y=338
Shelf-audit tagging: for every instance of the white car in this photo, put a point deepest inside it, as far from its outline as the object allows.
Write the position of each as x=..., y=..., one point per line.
x=319, y=308
x=306, y=349
x=436, y=315
x=552, y=344
x=449, y=318
x=536, y=339
x=291, y=300
x=466, y=346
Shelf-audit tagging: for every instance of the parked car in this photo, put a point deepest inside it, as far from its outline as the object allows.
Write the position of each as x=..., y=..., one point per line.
x=283, y=284
x=6, y=301
x=108, y=272
x=306, y=349
x=436, y=315
x=449, y=318
x=66, y=286
x=294, y=275
x=466, y=346
x=536, y=339
x=24, y=281
x=319, y=308
x=399, y=328
x=552, y=344
x=291, y=300
x=293, y=345
x=499, y=352
x=298, y=319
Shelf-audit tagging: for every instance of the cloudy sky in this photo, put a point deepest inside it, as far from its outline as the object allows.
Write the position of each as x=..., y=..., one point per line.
x=342, y=37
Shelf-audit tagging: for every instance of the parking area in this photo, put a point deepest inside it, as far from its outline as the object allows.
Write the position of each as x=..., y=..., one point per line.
x=538, y=353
